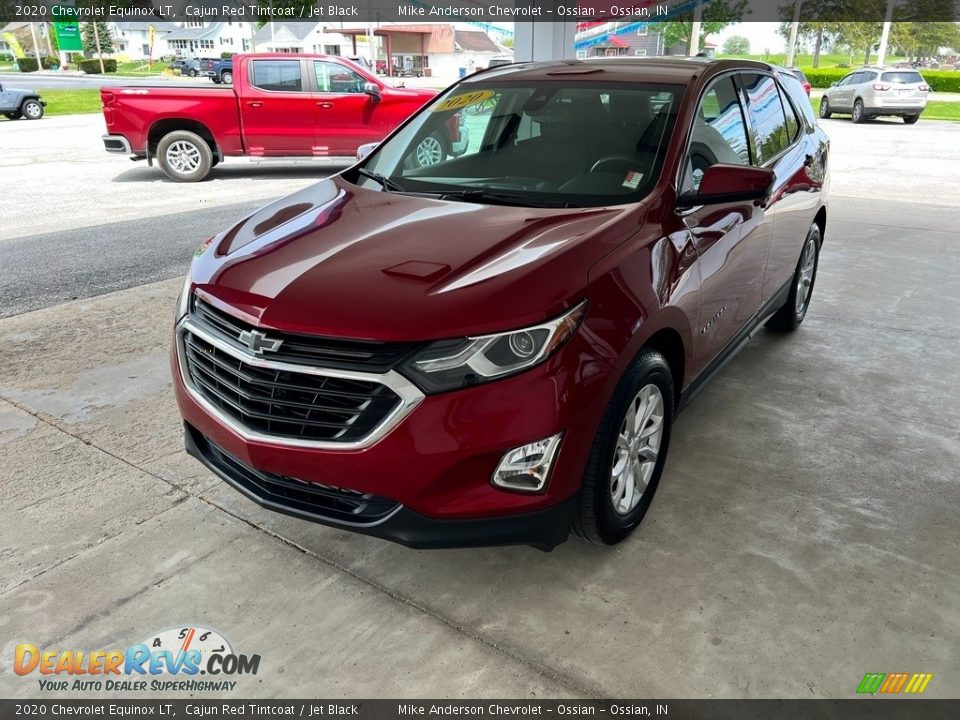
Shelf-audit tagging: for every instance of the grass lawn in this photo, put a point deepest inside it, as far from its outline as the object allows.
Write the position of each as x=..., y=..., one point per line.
x=805, y=61
x=68, y=102
x=140, y=69
x=936, y=110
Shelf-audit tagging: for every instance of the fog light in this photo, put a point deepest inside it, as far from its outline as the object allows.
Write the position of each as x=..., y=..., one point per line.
x=526, y=468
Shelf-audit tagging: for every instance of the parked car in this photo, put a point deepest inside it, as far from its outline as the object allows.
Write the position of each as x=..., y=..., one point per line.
x=280, y=105
x=869, y=92
x=189, y=67
x=220, y=71
x=16, y=103
x=494, y=348
x=798, y=73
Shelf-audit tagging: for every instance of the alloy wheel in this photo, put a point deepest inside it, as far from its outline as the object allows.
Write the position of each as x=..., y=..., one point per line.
x=637, y=449
x=429, y=151
x=184, y=157
x=808, y=268
x=32, y=110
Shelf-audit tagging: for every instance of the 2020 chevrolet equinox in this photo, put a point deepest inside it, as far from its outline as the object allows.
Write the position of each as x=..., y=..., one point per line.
x=492, y=349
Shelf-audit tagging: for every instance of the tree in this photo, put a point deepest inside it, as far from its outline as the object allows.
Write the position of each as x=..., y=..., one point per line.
x=924, y=39
x=90, y=38
x=716, y=16
x=736, y=45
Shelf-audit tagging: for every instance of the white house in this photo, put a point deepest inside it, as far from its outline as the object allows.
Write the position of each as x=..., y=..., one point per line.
x=132, y=39
x=209, y=39
x=298, y=37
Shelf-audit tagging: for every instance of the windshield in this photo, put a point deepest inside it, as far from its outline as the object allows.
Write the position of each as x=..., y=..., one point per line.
x=534, y=143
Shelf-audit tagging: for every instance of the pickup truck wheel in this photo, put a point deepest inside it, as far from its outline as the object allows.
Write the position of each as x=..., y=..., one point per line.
x=431, y=150
x=32, y=109
x=184, y=156
x=13, y=115
x=626, y=461
x=227, y=78
x=215, y=79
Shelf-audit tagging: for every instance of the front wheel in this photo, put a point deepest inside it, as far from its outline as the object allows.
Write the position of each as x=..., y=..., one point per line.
x=911, y=119
x=184, y=156
x=227, y=78
x=628, y=453
x=789, y=317
x=431, y=150
x=31, y=109
x=858, y=114
x=825, y=108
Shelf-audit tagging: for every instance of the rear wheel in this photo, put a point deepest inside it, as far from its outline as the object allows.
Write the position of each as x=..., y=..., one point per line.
x=825, y=112
x=789, y=317
x=859, y=115
x=227, y=78
x=192, y=73
x=184, y=156
x=31, y=109
x=628, y=454
x=911, y=119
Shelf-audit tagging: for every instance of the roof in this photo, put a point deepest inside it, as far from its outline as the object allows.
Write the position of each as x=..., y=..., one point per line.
x=668, y=69
x=194, y=33
x=474, y=41
x=299, y=31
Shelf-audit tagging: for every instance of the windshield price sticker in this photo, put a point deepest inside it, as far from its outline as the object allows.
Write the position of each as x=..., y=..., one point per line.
x=461, y=101
x=632, y=180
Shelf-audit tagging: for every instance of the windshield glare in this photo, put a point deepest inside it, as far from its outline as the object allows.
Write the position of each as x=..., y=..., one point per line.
x=580, y=144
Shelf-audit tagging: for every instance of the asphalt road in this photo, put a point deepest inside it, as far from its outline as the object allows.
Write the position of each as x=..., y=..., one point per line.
x=79, y=222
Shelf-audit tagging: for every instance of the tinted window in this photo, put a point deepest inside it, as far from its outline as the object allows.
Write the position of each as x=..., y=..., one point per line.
x=336, y=78
x=902, y=78
x=719, y=134
x=766, y=115
x=793, y=122
x=277, y=75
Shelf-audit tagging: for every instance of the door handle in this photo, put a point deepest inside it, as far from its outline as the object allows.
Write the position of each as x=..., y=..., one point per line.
x=325, y=105
x=254, y=103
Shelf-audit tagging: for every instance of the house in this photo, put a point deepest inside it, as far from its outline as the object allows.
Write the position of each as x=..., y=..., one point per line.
x=209, y=39
x=639, y=39
x=132, y=39
x=300, y=37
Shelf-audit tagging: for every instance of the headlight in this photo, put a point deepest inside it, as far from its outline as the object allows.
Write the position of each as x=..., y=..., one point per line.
x=452, y=364
x=183, y=299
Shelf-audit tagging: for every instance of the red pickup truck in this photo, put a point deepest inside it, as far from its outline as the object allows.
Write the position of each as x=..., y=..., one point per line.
x=279, y=105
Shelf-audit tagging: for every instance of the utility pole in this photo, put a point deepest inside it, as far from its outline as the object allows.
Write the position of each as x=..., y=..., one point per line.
x=96, y=39
x=36, y=45
x=885, y=35
x=794, y=27
x=695, y=31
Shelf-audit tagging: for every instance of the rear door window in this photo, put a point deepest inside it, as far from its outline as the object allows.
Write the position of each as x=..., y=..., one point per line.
x=770, y=131
x=902, y=78
x=277, y=75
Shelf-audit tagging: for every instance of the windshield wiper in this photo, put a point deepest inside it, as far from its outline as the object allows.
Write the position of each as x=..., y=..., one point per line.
x=497, y=198
x=384, y=182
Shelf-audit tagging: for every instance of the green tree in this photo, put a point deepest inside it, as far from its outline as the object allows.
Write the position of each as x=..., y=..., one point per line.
x=736, y=45
x=714, y=18
x=90, y=38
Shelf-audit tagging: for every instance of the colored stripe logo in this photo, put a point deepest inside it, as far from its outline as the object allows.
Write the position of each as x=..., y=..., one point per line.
x=894, y=683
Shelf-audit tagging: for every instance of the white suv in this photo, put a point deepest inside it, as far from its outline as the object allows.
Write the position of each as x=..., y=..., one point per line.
x=868, y=92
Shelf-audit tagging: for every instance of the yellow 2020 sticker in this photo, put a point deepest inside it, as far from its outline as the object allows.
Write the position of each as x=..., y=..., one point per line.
x=461, y=101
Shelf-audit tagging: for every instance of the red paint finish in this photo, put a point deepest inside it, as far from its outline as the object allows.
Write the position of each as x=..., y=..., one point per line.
x=340, y=260
x=243, y=119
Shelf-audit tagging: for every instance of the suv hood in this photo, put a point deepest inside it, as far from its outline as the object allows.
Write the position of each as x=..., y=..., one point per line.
x=339, y=260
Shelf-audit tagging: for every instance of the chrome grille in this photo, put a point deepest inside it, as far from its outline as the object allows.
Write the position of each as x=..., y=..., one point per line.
x=274, y=400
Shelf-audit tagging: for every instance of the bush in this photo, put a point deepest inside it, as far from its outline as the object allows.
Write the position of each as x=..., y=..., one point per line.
x=5, y=58
x=29, y=64
x=226, y=55
x=92, y=67
x=938, y=80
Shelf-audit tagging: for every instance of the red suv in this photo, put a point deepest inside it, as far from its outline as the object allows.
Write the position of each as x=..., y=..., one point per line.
x=492, y=349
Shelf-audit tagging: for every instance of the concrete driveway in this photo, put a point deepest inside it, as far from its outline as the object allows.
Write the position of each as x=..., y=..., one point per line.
x=804, y=533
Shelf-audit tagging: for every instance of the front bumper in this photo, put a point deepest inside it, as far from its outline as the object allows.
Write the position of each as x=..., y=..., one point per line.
x=543, y=529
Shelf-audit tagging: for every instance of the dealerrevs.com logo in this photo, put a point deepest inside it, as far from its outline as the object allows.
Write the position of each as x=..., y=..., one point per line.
x=168, y=661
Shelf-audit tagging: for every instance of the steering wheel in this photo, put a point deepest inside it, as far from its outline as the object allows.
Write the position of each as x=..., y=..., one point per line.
x=612, y=163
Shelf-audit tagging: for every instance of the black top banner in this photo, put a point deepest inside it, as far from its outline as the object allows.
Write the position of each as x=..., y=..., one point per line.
x=867, y=708
x=334, y=12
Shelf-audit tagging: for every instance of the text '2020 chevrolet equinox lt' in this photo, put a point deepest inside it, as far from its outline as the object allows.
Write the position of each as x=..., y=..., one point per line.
x=492, y=349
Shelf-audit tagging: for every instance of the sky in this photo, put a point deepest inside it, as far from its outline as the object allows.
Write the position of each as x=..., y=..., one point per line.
x=762, y=36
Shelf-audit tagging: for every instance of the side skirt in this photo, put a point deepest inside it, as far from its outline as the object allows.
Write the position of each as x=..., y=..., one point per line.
x=776, y=302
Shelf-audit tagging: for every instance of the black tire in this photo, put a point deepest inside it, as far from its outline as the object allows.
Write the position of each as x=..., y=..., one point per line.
x=215, y=79
x=825, y=112
x=226, y=78
x=858, y=116
x=911, y=119
x=13, y=115
x=31, y=109
x=192, y=73
x=789, y=317
x=597, y=521
x=189, y=142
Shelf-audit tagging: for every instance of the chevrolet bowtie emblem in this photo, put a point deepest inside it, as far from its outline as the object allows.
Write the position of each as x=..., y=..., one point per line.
x=259, y=343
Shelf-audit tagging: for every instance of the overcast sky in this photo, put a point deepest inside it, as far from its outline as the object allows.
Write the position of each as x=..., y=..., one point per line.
x=762, y=36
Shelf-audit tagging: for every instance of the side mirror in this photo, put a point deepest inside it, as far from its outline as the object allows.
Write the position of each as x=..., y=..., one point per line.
x=365, y=150
x=729, y=183
x=372, y=89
